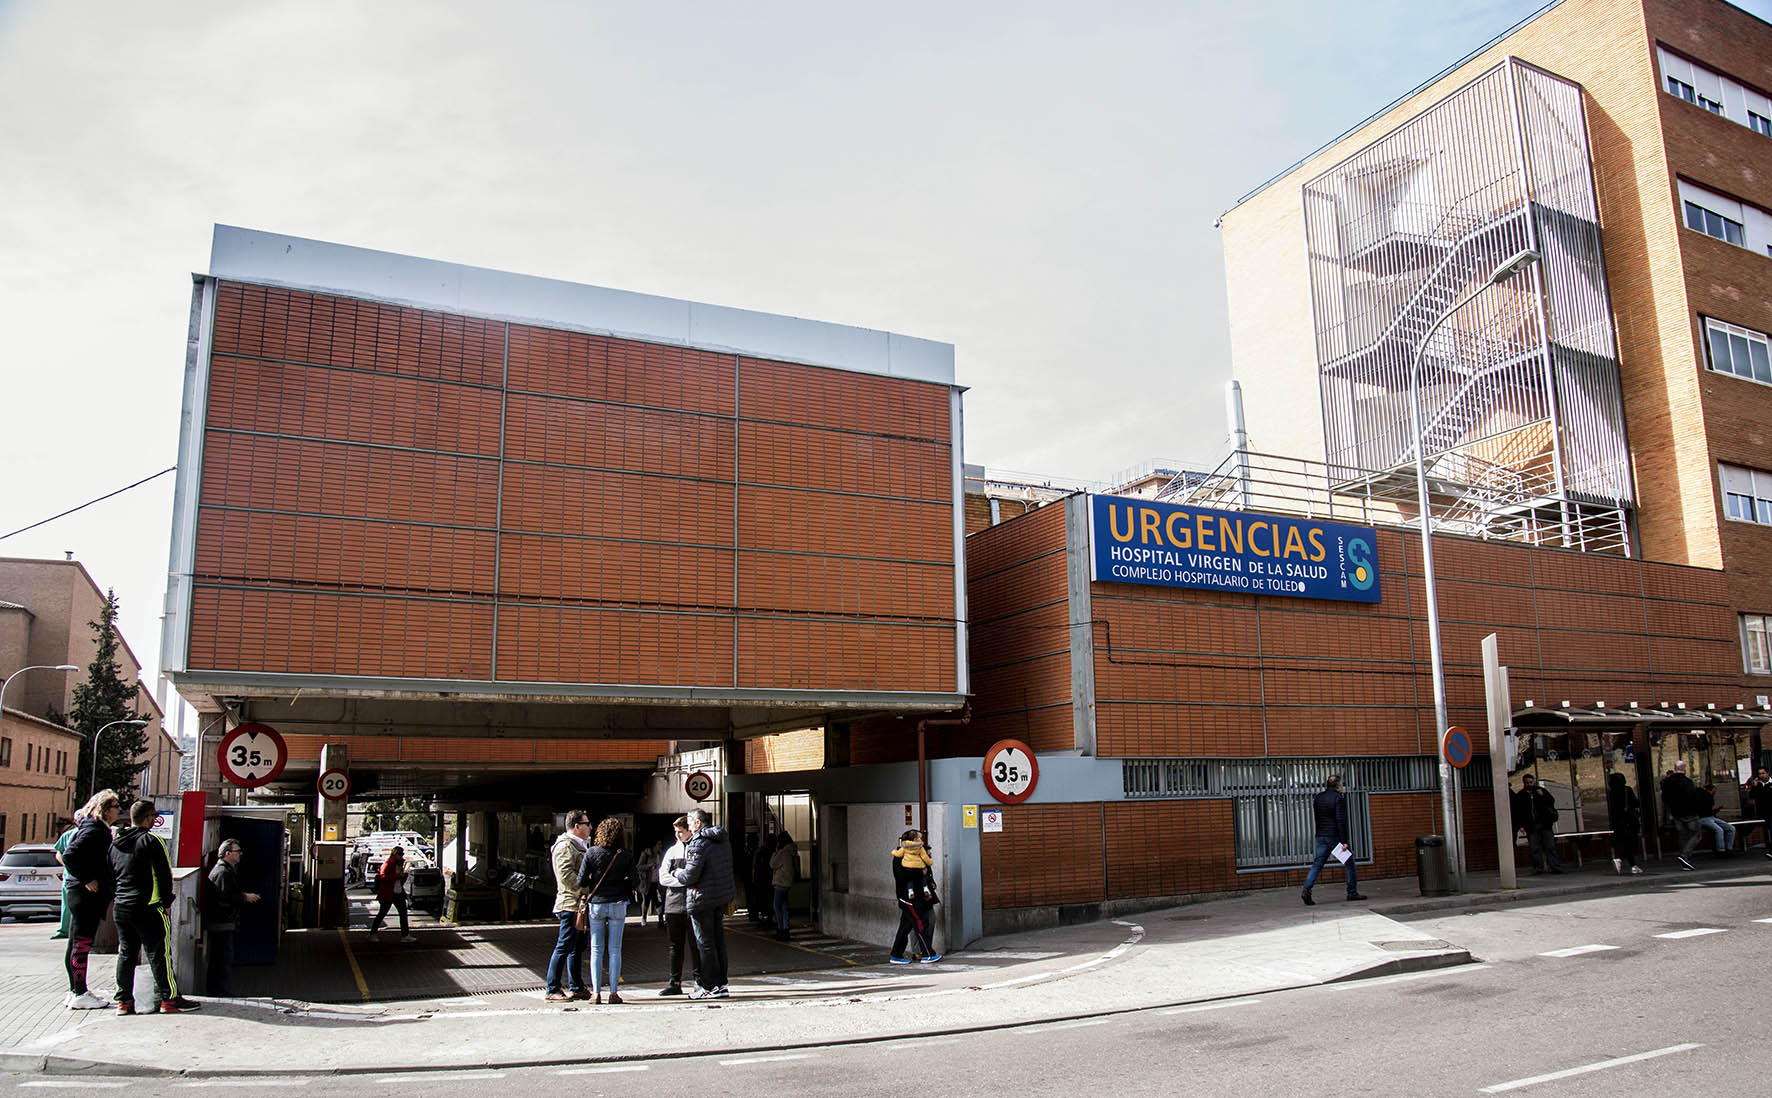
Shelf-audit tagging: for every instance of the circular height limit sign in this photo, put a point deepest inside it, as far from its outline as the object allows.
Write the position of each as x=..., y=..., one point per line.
x=1010, y=771
x=252, y=755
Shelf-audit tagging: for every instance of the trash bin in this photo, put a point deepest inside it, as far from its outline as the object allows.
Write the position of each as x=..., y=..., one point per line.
x=1430, y=866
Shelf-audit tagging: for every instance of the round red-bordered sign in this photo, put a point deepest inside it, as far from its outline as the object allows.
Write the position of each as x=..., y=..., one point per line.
x=334, y=785
x=252, y=755
x=699, y=786
x=1010, y=771
x=1455, y=746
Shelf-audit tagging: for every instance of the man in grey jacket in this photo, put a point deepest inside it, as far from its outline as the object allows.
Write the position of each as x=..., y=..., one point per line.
x=707, y=874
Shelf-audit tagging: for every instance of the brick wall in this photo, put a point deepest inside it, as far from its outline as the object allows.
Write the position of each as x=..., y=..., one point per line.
x=1046, y=854
x=785, y=751
x=1200, y=673
x=656, y=515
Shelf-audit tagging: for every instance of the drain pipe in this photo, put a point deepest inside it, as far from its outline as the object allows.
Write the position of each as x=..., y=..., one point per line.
x=923, y=727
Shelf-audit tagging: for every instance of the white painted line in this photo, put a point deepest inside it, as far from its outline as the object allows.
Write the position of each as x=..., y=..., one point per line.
x=1697, y=933
x=428, y=1075
x=1208, y=1006
x=765, y=1059
x=245, y=1083
x=69, y=1084
x=1601, y=1066
x=919, y=1043
x=1009, y=955
x=1084, y=1022
x=611, y=1070
x=1763, y=920
x=1576, y=951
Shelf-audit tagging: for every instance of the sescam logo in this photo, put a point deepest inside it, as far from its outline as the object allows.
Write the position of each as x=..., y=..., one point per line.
x=1359, y=554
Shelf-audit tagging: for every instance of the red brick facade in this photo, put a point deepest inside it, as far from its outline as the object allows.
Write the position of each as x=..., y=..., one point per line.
x=391, y=491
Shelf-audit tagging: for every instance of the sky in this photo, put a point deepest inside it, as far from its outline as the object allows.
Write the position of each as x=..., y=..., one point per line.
x=1034, y=182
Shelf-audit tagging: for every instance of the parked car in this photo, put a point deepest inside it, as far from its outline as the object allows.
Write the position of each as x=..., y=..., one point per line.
x=30, y=881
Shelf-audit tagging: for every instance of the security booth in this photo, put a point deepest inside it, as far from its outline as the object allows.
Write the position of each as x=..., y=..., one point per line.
x=263, y=832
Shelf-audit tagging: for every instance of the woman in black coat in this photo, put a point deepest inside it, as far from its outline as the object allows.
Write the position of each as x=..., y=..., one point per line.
x=1626, y=815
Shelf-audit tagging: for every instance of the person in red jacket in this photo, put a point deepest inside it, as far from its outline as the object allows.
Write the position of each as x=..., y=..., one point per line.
x=390, y=888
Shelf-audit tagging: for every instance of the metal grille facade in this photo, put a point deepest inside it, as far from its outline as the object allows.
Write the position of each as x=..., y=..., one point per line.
x=1271, y=798
x=1520, y=390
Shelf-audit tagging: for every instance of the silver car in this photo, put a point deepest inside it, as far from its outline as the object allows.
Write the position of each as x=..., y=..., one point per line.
x=30, y=881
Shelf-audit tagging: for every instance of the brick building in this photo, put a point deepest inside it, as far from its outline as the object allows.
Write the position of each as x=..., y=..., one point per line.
x=45, y=609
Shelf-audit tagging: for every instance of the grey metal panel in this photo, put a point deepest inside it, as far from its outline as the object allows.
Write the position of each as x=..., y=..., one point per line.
x=962, y=629
x=1079, y=563
x=175, y=625
x=254, y=256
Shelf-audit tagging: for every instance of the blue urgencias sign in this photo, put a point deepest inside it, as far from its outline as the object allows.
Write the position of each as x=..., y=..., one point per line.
x=1142, y=541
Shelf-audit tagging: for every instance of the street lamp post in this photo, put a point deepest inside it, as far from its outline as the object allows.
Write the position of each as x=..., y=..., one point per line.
x=1514, y=264
x=92, y=786
x=33, y=667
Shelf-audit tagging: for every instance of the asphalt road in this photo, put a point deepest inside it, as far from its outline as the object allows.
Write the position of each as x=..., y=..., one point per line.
x=1652, y=994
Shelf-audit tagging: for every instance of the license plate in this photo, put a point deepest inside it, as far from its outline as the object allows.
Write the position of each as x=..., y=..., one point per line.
x=34, y=878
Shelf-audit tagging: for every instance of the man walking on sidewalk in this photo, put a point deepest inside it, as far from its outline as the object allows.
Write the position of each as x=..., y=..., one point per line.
x=1330, y=807
x=1679, y=797
x=144, y=895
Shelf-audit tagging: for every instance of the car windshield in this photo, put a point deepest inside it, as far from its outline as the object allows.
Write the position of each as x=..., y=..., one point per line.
x=29, y=858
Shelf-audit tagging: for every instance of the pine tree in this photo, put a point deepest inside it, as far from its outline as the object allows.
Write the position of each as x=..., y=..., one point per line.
x=105, y=697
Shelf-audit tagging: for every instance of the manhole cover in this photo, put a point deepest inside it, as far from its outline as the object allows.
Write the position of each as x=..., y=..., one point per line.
x=1413, y=945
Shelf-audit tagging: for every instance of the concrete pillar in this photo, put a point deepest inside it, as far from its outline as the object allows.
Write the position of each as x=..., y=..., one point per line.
x=331, y=813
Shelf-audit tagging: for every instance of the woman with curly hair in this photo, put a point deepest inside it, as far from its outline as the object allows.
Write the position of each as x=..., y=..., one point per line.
x=606, y=880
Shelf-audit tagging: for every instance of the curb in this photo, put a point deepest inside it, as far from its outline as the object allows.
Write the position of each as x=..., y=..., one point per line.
x=52, y=1064
x=1562, y=891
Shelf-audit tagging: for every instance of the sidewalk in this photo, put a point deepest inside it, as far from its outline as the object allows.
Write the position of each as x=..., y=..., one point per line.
x=1218, y=949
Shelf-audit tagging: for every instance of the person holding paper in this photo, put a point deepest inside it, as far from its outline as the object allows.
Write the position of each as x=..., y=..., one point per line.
x=1330, y=807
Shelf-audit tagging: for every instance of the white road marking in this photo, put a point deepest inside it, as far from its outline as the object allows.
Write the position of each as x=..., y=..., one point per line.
x=245, y=1083
x=1697, y=933
x=1010, y=955
x=1763, y=920
x=1208, y=1006
x=611, y=1070
x=918, y=1043
x=1576, y=951
x=766, y=1059
x=70, y=1084
x=1601, y=1066
x=464, y=1075
x=1084, y=1022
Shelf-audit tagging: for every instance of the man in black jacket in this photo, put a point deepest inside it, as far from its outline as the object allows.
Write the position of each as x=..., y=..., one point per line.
x=707, y=874
x=1330, y=809
x=1536, y=810
x=87, y=883
x=1761, y=795
x=1679, y=798
x=144, y=894
x=226, y=898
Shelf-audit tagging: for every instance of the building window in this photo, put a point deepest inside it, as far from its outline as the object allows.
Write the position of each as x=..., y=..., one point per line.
x=1759, y=123
x=5, y=750
x=1739, y=351
x=1676, y=86
x=30, y=755
x=1710, y=105
x=1711, y=223
x=1755, y=631
x=1747, y=494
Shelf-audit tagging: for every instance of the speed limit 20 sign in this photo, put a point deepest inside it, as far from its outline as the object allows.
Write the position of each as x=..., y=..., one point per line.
x=335, y=785
x=699, y=786
x=1010, y=771
x=252, y=755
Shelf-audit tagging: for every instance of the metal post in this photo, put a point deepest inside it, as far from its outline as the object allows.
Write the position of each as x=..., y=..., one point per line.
x=92, y=786
x=1500, y=711
x=1448, y=785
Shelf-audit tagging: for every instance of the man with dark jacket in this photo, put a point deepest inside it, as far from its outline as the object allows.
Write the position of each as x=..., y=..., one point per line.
x=144, y=894
x=1761, y=795
x=707, y=874
x=1679, y=798
x=87, y=884
x=1536, y=810
x=226, y=898
x=1330, y=809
